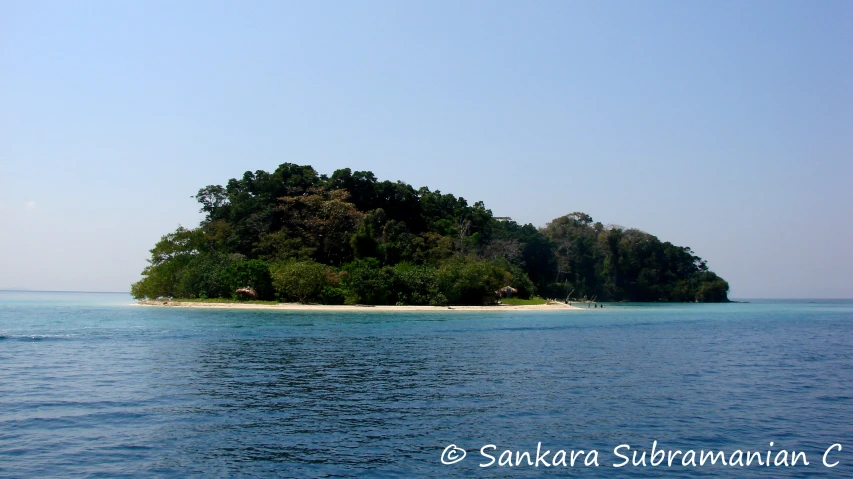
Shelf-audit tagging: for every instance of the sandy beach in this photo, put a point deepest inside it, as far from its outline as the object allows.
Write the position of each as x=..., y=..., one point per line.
x=349, y=308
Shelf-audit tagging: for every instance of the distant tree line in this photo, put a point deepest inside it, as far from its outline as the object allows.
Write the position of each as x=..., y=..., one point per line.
x=296, y=235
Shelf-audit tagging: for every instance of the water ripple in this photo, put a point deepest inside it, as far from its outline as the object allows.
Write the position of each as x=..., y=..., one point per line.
x=116, y=391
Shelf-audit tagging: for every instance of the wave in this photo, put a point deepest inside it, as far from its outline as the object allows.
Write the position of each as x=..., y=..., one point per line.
x=37, y=337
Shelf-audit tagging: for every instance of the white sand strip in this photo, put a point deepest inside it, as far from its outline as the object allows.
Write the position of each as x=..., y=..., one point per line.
x=349, y=308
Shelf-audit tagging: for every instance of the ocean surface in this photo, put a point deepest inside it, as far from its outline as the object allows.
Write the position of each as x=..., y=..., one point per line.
x=91, y=386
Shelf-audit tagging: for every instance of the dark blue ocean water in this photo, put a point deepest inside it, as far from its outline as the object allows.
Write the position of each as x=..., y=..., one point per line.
x=93, y=387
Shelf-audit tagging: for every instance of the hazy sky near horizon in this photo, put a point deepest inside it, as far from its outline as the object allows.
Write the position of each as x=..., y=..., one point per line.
x=720, y=125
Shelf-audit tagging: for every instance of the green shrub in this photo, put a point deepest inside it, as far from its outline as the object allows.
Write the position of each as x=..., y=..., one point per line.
x=332, y=295
x=366, y=282
x=303, y=281
x=417, y=285
x=470, y=280
x=253, y=273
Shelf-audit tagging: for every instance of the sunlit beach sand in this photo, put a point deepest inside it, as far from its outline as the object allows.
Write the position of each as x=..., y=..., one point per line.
x=554, y=306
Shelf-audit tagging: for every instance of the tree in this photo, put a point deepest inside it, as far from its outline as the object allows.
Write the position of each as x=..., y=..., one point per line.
x=367, y=282
x=417, y=285
x=324, y=220
x=251, y=273
x=470, y=280
x=302, y=281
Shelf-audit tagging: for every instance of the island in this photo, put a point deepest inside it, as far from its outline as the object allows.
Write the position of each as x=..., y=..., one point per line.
x=297, y=236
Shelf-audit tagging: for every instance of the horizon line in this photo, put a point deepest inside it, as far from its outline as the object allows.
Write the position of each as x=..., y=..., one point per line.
x=24, y=290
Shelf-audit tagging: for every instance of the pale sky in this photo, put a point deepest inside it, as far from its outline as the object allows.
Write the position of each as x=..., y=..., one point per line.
x=720, y=125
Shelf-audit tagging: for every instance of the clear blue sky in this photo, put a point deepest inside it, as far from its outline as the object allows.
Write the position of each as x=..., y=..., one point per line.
x=721, y=125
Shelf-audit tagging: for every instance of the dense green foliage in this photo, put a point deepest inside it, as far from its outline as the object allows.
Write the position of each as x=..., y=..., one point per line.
x=295, y=235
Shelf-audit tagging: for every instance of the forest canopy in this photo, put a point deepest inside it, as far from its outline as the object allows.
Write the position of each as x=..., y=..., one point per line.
x=348, y=238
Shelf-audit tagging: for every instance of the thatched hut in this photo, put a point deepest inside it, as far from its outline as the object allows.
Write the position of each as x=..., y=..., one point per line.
x=506, y=292
x=246, y=293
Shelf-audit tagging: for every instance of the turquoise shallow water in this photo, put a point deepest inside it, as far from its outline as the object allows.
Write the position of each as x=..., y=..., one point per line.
x=93, y=387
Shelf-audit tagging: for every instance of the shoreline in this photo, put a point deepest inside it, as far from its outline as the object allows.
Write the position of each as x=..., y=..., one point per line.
x=354, y=308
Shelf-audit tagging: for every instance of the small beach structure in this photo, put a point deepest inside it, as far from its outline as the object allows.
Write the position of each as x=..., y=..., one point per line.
x=506, y=292
x=246, y=293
